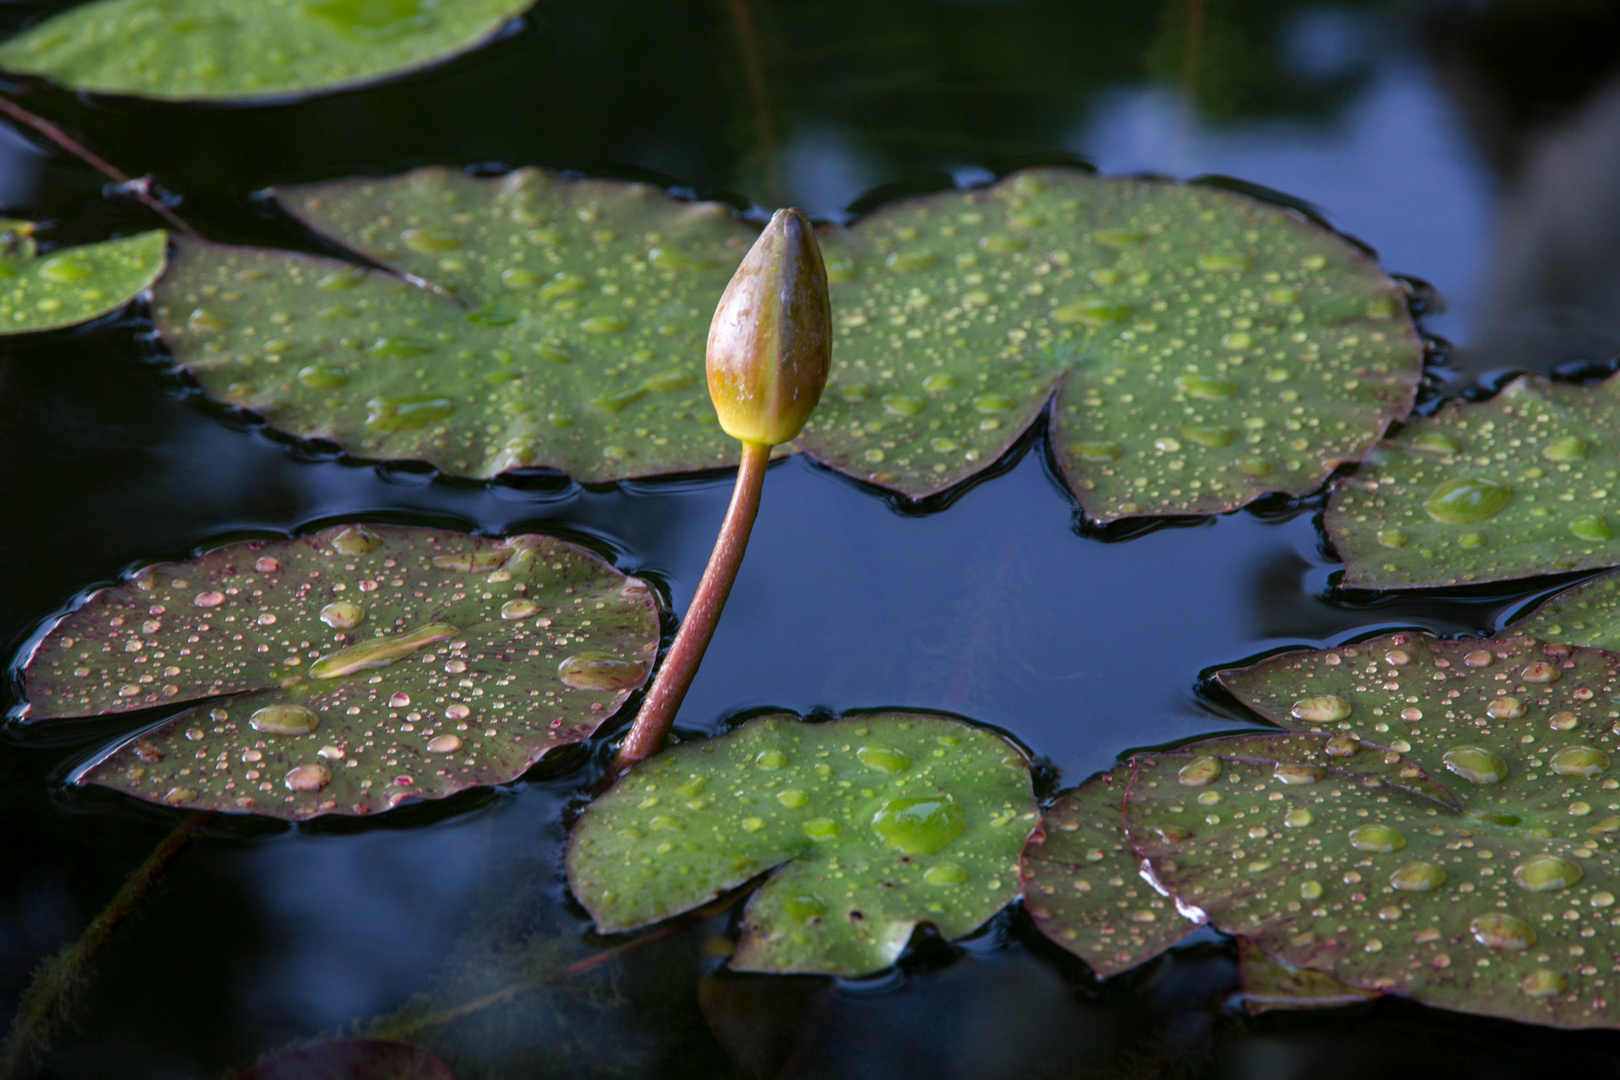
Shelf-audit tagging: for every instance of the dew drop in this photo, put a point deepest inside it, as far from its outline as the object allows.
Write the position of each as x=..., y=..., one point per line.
x=792, y=798
x=1475, y=764
x=1295, y=774
x=1206, y=387
x=1590, y=527
x=379, y=652
x=343, y=615
x=1540, y=673
x=599, y=671
x=803, y=908
x=1499, y=931
x=1093, y=311
x=822, y=828
x=1201, y=771
x=1465, y=501
x=355, y=540
x=1563, y=721
x=920, y=825
x=1579, y=761
x=946, y=874
x=1417, y=877
x=1546, y=873
x=1505, y=708
x=284, y=720
x=1542, y=983
x=883, y=759
x=1320, y=710
x=308, y=777
x=518, y=609
x=1566, y=448
x=1378, y=839
x=444, y=744
x=1299, y=819
x=210, y=599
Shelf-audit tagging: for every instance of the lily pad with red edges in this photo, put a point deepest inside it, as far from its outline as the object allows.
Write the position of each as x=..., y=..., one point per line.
x=350, y=670
x=1203, y=348
x=1082, y=885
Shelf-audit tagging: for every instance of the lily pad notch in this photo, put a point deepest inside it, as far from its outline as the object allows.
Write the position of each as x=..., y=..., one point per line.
x=1202, y=348
x=348, y=671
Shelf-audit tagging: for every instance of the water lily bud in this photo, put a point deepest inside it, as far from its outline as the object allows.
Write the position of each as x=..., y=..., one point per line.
x=771, y=339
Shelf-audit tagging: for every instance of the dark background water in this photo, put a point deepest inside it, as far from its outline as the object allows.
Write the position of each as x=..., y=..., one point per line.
x=1476, y=145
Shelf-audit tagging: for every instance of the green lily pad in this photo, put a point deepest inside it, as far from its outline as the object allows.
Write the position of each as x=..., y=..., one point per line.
x=1210, y=348
x=1520, y=485
x=1081, y=884
x=213, y=50
x=1518, y=730
x=353, y=1059
x=349, y=670
x=866, y=826
x=1205, y=348
x=1353, y=868
x=71, y=285
x=1587, y=614
x=1269, y=984
x=580, y=345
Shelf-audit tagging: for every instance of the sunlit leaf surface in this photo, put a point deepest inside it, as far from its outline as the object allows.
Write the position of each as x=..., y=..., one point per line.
x=1209, y=348
x=349, y=670
x=1358, y=867
x=246, y=49
x=1081, y=884
x=71, y=285
x=1520, y=485
x=866, y=827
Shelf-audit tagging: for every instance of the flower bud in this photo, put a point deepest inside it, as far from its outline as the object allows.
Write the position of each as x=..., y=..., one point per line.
x=770, y=342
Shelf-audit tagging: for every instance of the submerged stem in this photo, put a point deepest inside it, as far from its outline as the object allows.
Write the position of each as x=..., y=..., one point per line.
x=62, y=139
x=657, y=714
x=45, y=1004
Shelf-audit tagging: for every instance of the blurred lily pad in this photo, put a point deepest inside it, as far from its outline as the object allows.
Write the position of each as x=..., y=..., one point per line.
x=1586, y=614
x=1351, y=866
x=865, y=826
x=353, y=1059
x=1082, y=886
x=1513, y=487
x=212, y=50
x=578, y=341
x=1209, y=348
x=71, y=285
x=347, y=671
x=1517, y=729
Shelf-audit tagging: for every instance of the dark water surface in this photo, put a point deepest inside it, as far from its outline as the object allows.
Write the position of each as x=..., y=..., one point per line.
x=1475, y=145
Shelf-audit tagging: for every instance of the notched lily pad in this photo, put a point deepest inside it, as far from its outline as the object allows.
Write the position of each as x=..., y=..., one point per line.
x=212, y=50
x=1206, y=348
x=867, y=826
x=351, y=669
x=1520, y=485
x=71, y=285
x=1210, y=348
x=353, y=1059
x=1082, y=886
x=1369, y=879
x=580, y=345
x=1519, y=730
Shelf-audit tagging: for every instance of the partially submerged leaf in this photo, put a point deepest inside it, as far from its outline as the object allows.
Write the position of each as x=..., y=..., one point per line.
x=1082, y=886
x=867, y=826
x=1210, y=348
x=580, y=345
x=71, y=285
x=1518, y=730
x=1350, y=867
x=1206, y=348
x=353, y=1059
x=1587, y=614
x=214, y=50
x=1269, y=983
x=1513, y=487
x=351, y=669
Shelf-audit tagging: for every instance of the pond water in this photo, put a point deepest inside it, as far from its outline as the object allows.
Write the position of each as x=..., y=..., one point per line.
x=1473, y=145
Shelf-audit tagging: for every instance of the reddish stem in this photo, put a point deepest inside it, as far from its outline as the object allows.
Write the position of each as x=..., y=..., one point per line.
x=657, y=714
x=73, y=146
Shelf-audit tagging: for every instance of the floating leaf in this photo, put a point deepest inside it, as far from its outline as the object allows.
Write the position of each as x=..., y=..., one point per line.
x=351, y=669
x=1520, y=485
x=71, y=285
x=1588, y=614
x=1350, y=866
x=227, y=50
x=1210, y=348
x=581, y=346
x=353, y=1059
x=1206, y=348
x=1269, y=983
x=866, y=826
x=1516, y=729
x=1081, y=883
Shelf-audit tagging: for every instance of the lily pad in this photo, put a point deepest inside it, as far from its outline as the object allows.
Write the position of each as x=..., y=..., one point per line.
x=349, y=670
x=1269, y=984
x=1520, y=731
x=1205, y=348
x=1587, y=614
x=866, y=827
x=1513, y=487
x=71, y=285
x=1360, y=868
x=353, y=1059
x=1210, y=348
x=578, y=342
x=1082, y=886
x=213, y=50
